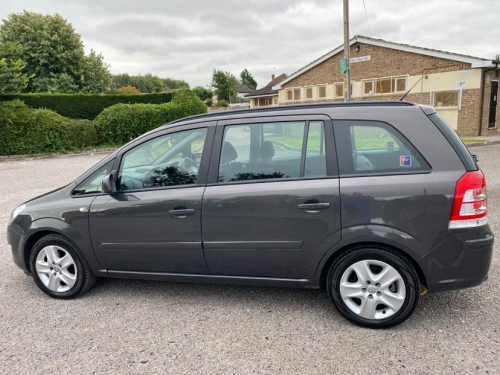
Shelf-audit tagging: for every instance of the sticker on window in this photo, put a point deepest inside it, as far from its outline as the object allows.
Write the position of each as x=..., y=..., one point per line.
x=405, y=161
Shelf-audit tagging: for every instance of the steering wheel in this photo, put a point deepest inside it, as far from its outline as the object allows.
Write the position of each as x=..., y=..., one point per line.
x=189, y=165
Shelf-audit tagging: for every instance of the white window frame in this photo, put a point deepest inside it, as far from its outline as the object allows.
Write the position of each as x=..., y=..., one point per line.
x=292, y=89
x=335, y=90
x=375, y=82
x=312, y=90
x=325, y=85
x=393, y=89
x=459, y=107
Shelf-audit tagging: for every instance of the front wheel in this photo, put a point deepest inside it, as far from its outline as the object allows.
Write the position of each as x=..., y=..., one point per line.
x=59, y=268
x=373, y=287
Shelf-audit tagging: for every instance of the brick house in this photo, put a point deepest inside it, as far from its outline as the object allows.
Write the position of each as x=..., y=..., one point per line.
x=460, y=87
x=266, y=96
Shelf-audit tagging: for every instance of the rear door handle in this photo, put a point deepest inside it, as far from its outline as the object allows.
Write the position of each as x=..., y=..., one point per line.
x=181, y=212
x=314, y=207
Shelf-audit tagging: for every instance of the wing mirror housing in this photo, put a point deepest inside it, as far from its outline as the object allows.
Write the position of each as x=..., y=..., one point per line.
x=108, y=184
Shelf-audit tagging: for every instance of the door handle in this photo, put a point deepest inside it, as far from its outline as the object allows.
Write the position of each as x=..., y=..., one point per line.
x=181, y=213
x=314, y=207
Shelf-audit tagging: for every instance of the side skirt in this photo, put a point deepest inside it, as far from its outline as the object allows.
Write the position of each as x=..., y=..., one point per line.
x=214, y=279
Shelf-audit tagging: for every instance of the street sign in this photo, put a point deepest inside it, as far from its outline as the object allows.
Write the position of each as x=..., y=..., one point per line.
x=343, y=65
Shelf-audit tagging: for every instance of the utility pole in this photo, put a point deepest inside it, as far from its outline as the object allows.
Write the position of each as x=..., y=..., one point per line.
x=347, y=54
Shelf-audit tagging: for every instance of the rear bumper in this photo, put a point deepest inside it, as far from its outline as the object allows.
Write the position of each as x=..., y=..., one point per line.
x=461, y=261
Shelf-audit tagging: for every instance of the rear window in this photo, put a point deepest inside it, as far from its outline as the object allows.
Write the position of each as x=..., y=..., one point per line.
x=372, y=147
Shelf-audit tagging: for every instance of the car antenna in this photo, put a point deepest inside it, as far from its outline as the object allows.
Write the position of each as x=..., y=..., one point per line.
x=424, y=72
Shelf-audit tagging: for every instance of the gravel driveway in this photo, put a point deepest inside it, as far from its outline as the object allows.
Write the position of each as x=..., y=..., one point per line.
x=136, y=327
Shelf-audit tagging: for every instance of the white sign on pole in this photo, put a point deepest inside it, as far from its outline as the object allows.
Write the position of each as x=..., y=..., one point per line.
x=359, y=59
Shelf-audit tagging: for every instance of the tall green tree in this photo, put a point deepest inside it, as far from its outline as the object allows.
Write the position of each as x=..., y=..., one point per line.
x=12, y=76
x=203, y=93
x=225, y=85
x=53, y=53
x=248, y=80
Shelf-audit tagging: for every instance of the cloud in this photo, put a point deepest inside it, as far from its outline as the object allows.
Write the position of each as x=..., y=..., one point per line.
x=188, y=39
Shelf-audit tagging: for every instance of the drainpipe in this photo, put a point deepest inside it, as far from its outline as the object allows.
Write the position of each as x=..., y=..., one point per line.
x=480, y=132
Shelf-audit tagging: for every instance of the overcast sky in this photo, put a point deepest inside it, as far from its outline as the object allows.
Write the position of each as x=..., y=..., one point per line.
x=187, y=39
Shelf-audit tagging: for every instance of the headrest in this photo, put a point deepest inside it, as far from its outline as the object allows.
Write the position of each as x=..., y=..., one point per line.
x=266, y=150
x=228, y=153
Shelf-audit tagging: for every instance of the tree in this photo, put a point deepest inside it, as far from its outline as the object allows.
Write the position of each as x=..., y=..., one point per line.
x=203, y=93
x=148, y=83
x=53, y=53
x=96, y=76
x=129, y=90
x=248, y=80
x=12, y=76
x=225, y=85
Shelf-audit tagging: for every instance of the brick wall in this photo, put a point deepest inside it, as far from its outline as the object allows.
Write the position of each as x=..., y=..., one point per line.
x=384, y=62
x=389, y=62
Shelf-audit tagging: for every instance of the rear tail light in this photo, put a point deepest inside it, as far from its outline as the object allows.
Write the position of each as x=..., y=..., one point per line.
x=469, y=204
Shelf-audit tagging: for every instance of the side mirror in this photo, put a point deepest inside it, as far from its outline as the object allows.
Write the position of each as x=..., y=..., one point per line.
x=108, y=184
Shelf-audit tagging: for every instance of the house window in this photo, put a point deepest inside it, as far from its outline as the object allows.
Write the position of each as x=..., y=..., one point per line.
x=399, y=84
x=309, y=93
x=296, y=94
x=446, y=99
x=322, y=91
x=262, y=102
x=339, y=90
x=275, y=101
x=368, y=88
x=289, y=95
x=385, y=85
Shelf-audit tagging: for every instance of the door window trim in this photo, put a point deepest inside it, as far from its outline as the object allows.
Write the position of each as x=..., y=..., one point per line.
x=205, y=155
x=330, y=148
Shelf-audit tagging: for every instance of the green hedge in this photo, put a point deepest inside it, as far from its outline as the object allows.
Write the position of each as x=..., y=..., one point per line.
x=84, y=106
x=123, y=122
x=24, y=130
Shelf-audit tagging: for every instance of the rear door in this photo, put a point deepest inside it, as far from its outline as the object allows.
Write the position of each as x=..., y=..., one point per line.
x=271, y=206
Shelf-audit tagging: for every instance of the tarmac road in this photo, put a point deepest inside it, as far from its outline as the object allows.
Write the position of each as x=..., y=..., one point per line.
x=135, y=327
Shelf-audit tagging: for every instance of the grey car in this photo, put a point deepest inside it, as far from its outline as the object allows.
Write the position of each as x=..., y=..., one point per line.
x=378, y=202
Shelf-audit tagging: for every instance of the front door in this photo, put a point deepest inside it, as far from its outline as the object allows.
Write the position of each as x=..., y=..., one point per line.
x=271, y=208
x=152, y=222
x=493, y=105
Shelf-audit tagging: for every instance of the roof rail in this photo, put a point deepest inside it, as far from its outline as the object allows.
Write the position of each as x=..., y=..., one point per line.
x=296, y=107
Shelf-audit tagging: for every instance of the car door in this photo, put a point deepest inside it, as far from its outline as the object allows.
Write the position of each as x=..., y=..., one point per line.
x=271, y=206
x=152, y=222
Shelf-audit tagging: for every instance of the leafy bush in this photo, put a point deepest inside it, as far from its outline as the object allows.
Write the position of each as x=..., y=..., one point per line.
x=24, y=130
x=222, y=103
x=84, y=106
x=123, y=122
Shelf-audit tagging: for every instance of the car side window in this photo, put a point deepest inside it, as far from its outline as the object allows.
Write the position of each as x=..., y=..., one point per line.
x=272, y=151
x=316, y=150
x=168, y=160
x=371, y=147
x=92, y=184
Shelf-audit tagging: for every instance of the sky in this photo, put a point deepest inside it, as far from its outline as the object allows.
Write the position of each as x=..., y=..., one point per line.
x=188, y=39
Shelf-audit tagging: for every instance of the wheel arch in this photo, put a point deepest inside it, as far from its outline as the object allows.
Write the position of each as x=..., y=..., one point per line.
x=339, y=252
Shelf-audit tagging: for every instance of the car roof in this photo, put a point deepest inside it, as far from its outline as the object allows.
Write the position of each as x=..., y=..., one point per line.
x=282, y=110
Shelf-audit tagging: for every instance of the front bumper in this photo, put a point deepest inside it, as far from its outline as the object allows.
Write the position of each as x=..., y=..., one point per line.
x=461, y=261
x=14, y=240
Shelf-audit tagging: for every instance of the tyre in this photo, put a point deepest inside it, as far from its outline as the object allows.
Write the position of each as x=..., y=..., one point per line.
x=373, y=287
x=59, y=268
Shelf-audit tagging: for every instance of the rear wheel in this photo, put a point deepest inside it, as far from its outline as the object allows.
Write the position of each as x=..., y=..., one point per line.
x=59, y=268
x=373, y=287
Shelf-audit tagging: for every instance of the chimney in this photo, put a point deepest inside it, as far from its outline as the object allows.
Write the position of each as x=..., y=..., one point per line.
x=272, y=77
